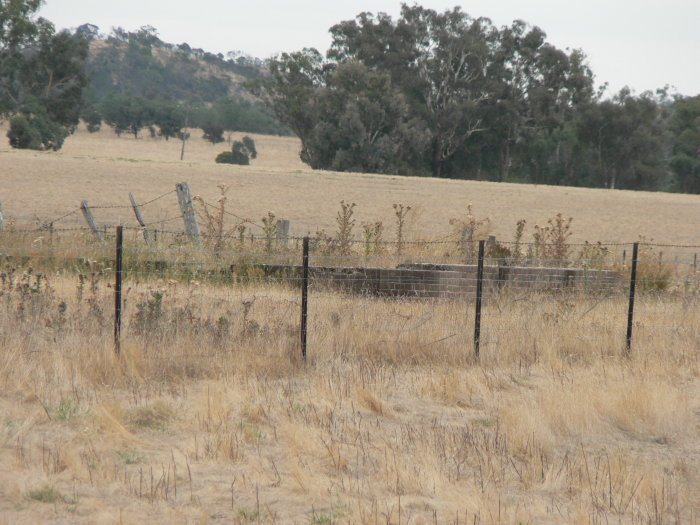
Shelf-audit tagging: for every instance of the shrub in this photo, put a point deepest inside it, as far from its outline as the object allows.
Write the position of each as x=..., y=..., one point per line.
x=231, y=157
x=23, y=135
x=35, y=132
x=241, y=153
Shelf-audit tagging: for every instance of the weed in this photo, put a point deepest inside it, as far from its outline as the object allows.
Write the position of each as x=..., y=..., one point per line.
x=517, y=251
x=345, y=223
x=469, y=230
x=155, y=417
x=149, y=314
x=551, y=242
x=45, y=494
x=593, y=255
x=249, y=515
x=401, y=213
x=214, y=233
x=270, y=225
x=130, y=457
x=372, y=237
x=66, y=410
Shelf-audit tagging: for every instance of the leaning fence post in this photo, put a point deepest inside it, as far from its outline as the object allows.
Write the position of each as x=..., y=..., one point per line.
x=187, y=208
x=479, y=288
x=90, y=219
x=118, y=291
x=2, y=219
x=139, y=218
x=633, y=282
x=304, y=297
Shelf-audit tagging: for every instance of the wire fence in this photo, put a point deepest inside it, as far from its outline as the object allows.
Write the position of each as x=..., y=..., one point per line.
x=300, y=297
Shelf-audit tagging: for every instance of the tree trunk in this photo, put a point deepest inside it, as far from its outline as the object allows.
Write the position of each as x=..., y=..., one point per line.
x=438, y=159
x=505, y=160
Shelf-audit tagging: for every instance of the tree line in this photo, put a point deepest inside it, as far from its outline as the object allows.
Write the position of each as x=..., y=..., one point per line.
x=444, y=94
x=429, y=93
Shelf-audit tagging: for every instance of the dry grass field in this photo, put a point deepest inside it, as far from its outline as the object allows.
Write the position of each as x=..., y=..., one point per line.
x=102, y=168
x=209, y=415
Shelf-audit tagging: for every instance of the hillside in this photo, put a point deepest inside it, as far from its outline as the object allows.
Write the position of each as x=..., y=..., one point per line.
x=102, y=168
x=139, y=62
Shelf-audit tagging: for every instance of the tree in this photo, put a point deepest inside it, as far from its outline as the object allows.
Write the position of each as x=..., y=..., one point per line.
x=362, y=124
x=42, y=74
x=213, y=132
x=289, y=91
x=684, y=127
x=92, y=118
x=127, y=113
x=625, y=137
x=439, y=60
x=169, y=117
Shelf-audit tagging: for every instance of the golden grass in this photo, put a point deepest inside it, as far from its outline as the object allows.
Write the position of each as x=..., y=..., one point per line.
x=102, y=168
x=209, y=414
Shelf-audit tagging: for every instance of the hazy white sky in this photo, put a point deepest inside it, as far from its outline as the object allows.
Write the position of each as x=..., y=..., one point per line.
x=644, y=44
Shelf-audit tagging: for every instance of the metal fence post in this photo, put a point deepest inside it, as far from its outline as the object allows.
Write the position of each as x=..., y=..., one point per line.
x=118, y=292
x=479, y=288
x=304, y=297
x=633, y=282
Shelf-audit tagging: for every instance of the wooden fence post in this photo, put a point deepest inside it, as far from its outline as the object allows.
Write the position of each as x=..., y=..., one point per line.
x=139, y=217
x=85, y=208
x=187, y=208
x=2, y=219
x=283, y=232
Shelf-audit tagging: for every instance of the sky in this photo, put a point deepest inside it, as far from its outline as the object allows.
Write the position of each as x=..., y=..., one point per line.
x=642, y=44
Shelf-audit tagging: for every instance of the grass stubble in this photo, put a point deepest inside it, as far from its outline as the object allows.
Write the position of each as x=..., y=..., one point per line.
x=209, y=415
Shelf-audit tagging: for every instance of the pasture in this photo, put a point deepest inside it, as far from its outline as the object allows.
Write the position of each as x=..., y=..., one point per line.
x=102, y=168
x=209, y=415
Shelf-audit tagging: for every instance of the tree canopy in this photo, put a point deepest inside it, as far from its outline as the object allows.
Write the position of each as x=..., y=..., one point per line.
x=42, y=76
x=449, y=95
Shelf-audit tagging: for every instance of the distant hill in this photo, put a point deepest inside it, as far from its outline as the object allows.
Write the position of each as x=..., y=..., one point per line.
x=140, y=63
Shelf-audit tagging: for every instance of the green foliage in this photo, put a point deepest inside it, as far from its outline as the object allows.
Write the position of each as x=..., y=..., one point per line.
x=169, y=116
x=228, y=157
x=213, y=132
x=23, y=135
x=149, y=314
x=92, y=118
x=67, y=409
x=241, y=152
x=42, y=76
x=684, y=127
x=127, y=113
x=248, y=144
x=45, y=494
x=130, y=457
x=446, y=94
x=35, y=131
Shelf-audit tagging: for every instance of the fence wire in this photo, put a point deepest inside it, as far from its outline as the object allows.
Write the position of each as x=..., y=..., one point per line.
x=399, y=301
